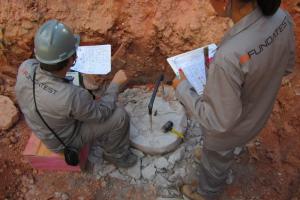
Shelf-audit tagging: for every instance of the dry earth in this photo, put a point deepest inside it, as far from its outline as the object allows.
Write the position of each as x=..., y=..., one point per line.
x=143, y=33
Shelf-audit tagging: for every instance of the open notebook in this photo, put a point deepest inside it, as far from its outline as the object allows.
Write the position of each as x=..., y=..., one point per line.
x=192, y=64
x=93, y=59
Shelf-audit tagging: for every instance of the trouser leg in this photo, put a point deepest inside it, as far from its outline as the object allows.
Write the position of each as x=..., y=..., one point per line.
x=116, y=139
x=112, y=135
x=214, y=169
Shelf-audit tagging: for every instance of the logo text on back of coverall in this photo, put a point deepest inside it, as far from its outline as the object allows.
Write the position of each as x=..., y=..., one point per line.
x=41, y=85
x=269, y=40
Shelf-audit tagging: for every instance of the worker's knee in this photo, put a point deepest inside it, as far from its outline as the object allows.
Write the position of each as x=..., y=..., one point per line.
x=121, y=117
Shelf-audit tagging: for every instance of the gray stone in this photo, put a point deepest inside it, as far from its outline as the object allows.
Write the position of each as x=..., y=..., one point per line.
x=133, y=182
x=177, y=155
x=161, y=163
x=196, y=131
x=138, y=153
x=147, y=160
x=174, y=193
x=57, y=194
x=185, y=198
x=61, y=195
x=105, y=170
x=161, y=181
x=237, y=151
x=116, y=174
x=178, y=174
x=149, y=172
x=9, y=114
x=163, y=192
x=230, y=178
x=192, y=175
x=297, y=90
x=135, y=171
x=65, y=196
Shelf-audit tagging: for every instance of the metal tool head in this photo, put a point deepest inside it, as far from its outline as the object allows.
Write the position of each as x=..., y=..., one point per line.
x=167, y=126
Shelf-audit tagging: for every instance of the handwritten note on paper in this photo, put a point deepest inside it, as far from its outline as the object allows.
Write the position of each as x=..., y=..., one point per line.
x=193, y=65
x=93, y=59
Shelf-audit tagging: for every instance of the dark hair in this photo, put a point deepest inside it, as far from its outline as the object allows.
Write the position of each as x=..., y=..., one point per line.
x=269, y=7
x=57, y=66
x=54, y=67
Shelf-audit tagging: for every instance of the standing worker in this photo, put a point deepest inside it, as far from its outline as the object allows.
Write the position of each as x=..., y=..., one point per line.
x=243, y=81
x=49, y=101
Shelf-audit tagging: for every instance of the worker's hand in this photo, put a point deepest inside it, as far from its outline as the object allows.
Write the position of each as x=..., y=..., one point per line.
x=120, y=78
x=176, y=80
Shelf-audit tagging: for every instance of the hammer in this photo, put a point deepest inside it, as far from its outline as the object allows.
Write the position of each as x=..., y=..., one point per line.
x=168, y=127
x=150, y=105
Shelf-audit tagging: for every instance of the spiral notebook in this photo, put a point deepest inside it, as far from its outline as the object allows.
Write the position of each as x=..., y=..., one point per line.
x=192, y=64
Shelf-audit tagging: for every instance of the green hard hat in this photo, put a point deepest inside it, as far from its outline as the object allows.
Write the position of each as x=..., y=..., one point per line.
x=54, y=42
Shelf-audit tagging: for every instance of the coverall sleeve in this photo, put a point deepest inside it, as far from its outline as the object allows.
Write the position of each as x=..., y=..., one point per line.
x=220, y=106
x=292, y=47
x=85, y=108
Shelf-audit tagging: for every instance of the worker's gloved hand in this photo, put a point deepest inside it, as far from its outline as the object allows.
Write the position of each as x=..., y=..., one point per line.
x=120, y=78
x=177, y=80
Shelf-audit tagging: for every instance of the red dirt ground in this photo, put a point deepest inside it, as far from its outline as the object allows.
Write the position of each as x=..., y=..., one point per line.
x=271, y=170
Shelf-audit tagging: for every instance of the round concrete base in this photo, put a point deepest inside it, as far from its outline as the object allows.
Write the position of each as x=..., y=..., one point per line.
x=165, y=108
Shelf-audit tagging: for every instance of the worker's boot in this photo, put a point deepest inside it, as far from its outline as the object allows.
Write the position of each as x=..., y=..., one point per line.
x=191, y=193
x=126, y=160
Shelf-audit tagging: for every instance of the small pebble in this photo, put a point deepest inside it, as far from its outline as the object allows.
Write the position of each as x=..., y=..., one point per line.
x=64, y=196
x=23, y=190
x=103, y=184
x=18, y=172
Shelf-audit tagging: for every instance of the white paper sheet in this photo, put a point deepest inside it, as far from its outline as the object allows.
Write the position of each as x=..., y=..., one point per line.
x=193, y=65
x=93, y=59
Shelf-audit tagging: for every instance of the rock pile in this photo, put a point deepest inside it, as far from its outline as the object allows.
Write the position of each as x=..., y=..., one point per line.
x=167, y=172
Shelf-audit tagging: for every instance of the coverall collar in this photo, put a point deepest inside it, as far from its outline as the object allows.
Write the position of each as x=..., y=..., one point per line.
x=243, y=24
x=39, y=70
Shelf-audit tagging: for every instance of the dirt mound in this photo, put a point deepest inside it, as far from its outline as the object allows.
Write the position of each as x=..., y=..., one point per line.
x=147, y=31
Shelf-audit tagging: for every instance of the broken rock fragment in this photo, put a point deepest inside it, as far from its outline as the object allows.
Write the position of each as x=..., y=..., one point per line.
x=177, y=155
x=149, y=172
x=135, y=171
x=9, y=114
x=161, y=163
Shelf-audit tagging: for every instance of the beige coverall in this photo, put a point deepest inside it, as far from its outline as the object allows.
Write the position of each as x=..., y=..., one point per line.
x=242, y=84
x=72, y=113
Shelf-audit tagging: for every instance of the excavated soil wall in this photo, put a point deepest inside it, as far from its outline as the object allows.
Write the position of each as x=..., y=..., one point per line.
x=143, y=33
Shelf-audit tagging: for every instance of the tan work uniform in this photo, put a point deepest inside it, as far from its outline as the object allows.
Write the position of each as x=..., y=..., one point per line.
x=242, y=84
x=71, y=112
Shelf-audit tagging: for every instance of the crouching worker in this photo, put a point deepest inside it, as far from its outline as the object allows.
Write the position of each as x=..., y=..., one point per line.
x=242, y=84
x=57, y=110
